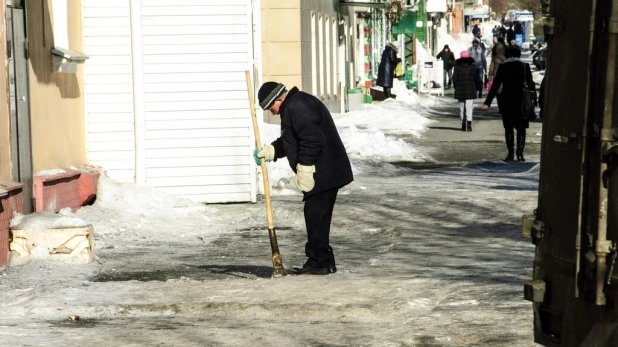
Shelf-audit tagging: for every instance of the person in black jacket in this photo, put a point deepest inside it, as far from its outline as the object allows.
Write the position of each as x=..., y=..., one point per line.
x=510, y=34
x=466, y=82
x=448, y=60
x=386, y=70
x=542, y=97
x=311, y=143
x=476, y=30
x=512, y=74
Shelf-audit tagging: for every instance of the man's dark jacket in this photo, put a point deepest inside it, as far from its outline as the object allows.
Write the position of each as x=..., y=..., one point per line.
x=309, y=137
x=448, y=59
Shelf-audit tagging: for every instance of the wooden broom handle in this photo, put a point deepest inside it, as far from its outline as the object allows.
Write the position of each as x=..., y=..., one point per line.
x=258, y=144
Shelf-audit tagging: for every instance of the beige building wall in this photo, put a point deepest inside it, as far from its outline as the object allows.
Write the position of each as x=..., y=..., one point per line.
x=5, y=132
x=281, y=45
x=324, y=15
x=56, y=99
x=291, y=49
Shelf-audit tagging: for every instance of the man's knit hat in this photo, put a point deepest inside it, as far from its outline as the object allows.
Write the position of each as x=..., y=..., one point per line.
x=464, y=54
x=268, y=93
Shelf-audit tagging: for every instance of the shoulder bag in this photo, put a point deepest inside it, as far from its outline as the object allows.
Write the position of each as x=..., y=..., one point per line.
x=528, y=100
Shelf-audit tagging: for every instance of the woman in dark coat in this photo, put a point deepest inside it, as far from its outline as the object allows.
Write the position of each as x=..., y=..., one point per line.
x=511, y=75
x=386, y=70
x=466, y=82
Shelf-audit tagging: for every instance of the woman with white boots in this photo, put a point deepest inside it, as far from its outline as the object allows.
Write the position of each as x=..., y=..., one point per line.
x=466, y=82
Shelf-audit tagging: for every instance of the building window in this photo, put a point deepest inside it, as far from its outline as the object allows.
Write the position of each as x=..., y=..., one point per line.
x=314, y=60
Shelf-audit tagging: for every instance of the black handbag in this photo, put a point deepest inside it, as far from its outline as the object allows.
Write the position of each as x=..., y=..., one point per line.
x=528, y=101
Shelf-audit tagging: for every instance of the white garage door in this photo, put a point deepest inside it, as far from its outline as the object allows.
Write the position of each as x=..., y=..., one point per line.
x=193, y=135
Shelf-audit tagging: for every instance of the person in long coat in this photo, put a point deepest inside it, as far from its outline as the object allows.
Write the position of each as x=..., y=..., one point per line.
x=497, y=57
x=466, y=82
x=477, y=52
x=511, y=75
x=386, y=70
x=310, y=142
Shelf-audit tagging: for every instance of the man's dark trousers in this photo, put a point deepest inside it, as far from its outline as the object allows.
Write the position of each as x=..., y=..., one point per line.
x=318, y=215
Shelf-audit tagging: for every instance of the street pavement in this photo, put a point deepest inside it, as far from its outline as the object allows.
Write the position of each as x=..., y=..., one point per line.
x=447, y=144
x=429, y=254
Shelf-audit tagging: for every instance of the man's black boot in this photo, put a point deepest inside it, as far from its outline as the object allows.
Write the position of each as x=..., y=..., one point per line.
x=312, y=267
x=469, y=126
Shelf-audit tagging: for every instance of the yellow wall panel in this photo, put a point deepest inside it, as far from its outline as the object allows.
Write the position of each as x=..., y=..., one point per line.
x=57, y=101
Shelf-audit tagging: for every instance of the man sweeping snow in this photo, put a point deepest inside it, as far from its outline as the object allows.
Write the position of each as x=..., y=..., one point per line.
x=311, y=143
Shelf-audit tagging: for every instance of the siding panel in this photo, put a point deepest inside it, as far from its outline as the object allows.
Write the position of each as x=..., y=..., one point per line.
x=108, y=90
x=188, y=102
x=198, y=126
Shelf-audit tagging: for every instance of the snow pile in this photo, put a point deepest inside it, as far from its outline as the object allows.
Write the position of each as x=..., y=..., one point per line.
x=375, y=144
x=456, y=45
x=411, y=98
x=39, y=221
x=367, y=135
x=52, y=172
x=421, y=53
x=390, y=116
x=145, y=213
x=135, y=200
x=33, y=226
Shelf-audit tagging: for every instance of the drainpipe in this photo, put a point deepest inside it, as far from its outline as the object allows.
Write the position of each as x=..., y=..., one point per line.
x=603, y=246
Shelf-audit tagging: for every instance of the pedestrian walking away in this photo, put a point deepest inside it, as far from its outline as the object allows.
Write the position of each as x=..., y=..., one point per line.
x=310, y=142
x=448, y=59
x=386, y=70
x=497, y=57
x=512, y=75
x=466, y=82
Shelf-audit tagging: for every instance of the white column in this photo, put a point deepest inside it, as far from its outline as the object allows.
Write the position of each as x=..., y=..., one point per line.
x=138, y=93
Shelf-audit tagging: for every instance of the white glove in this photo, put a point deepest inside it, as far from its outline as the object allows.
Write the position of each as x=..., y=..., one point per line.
x=304, y=177
x=267, y=153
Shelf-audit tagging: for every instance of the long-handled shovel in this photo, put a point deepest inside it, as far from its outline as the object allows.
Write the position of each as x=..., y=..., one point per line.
x=278, y=269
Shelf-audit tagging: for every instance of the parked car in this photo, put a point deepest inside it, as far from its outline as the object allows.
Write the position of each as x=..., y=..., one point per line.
x=539, y=58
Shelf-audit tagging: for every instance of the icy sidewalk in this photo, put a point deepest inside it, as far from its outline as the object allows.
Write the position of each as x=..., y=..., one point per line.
x=426, y=257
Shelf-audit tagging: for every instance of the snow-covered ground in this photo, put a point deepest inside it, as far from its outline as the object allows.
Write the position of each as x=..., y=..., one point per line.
x=426, y=257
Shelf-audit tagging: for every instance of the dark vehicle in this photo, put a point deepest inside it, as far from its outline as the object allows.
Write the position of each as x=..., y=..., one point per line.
x=539, y=58
x=574, y=286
